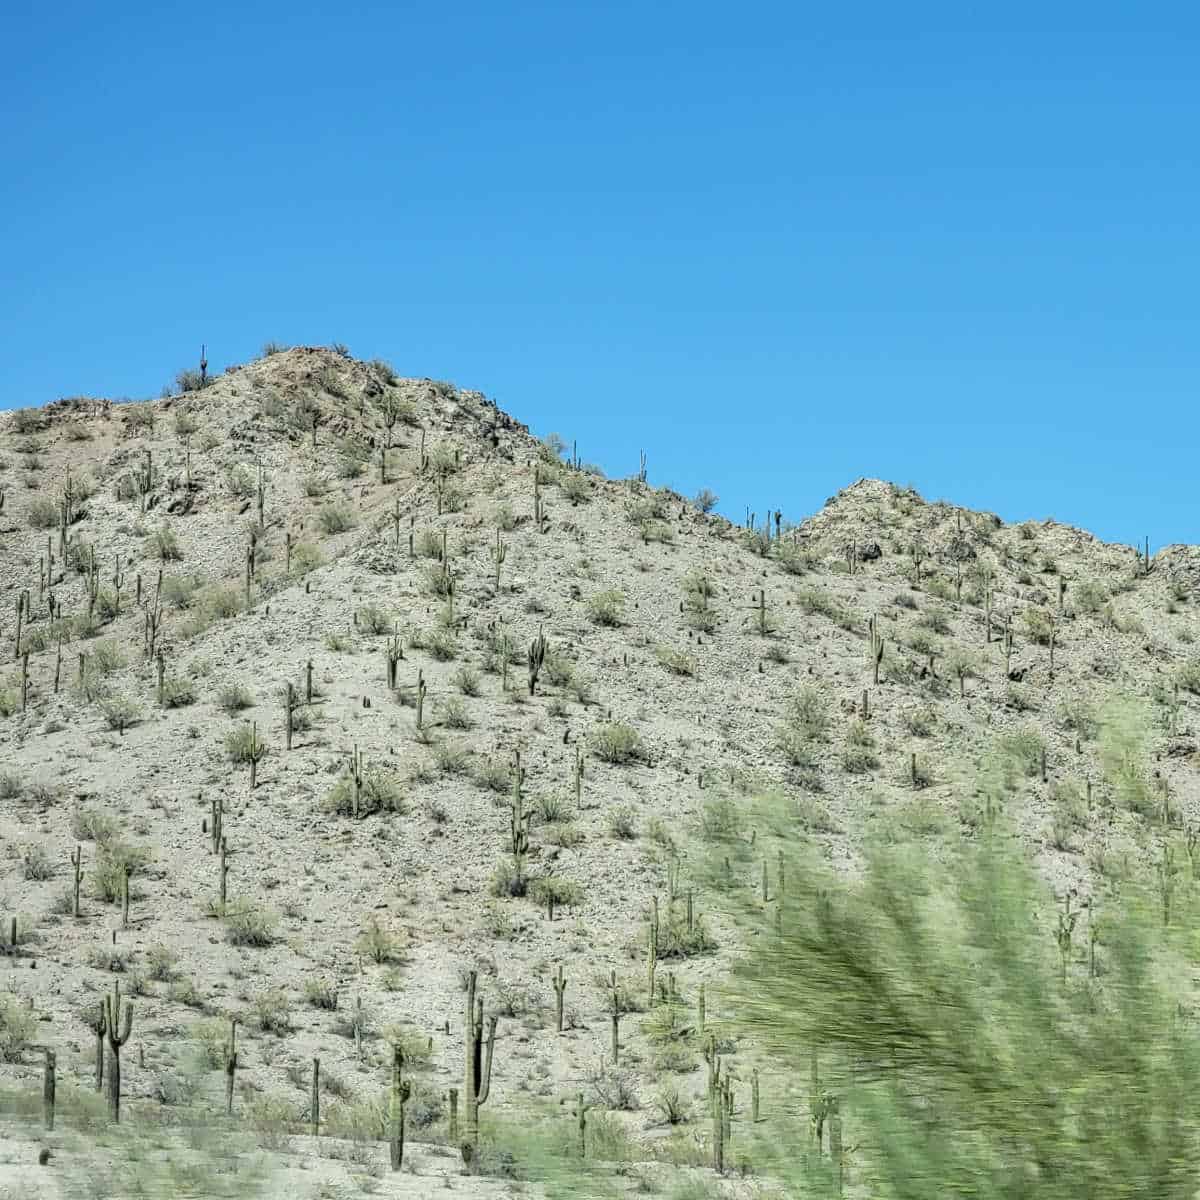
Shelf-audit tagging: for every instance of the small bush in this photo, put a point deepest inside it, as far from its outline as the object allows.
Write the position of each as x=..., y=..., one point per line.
x=234, y=698
x=18, y=1025
x=677, y=661
x=321, y=993
x=379, y=791
x=337, y=517
x=164, y=545
x=442, y=645
x=616, y=743
x=114, y=860
x=455, y=714
x=379, y=944
x=243, y=745
x=374, y=620
x=622, y=823
x=178, y=692
x=120, y=712
x=466, y=679
x=42, y=513
x=606, y=608
x=37, y=864
x=272, y=1012
x=249, y=924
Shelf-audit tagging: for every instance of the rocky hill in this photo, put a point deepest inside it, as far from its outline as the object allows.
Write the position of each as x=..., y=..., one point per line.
x=460, y=705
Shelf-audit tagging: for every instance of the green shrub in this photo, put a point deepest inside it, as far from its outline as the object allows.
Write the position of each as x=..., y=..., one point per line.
x=249, y=924
x=379, y=791
x=374, y=620
x=874, y=972
x=234, y=698
x=615, y=743
x=18, y=1025
x=378, y=944
x=113, y=860
x=677, y=661
x=42, y=513
x=178, y=692
x=120, y=712
x=336, y=517
x=164, y=545
x=606, y=608
x=243, y=744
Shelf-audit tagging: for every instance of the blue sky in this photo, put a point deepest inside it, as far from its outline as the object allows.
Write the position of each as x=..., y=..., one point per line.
x=777, y=246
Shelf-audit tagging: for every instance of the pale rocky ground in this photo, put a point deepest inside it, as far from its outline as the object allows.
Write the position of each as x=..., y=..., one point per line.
x=424, y=872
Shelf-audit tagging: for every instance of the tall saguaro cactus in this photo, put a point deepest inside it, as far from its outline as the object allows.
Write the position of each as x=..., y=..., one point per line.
x=477, y=1080
x=401, y=1090
x=117, y=1027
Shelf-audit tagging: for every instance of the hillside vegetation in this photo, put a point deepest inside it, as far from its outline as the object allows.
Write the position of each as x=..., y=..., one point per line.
x=331, y=698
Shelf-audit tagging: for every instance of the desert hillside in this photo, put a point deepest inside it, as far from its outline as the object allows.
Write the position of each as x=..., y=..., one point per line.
x=461, y=705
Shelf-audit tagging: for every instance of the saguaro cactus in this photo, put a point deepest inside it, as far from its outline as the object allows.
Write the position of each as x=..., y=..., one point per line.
x=875, y=651
x=77, y=866
x=117, y=1027
x=537, y=656
x=231, y=1065
x=49, y=1083
x=401, y=1090
x=559, y=981
x=477, y=1080
x=499, y=554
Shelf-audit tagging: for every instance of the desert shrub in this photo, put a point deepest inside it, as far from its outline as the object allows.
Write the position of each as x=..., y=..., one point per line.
x=179, y=591
x=321, y=993
x=115, y=859
x=379, y=944
x=18, y=1025
x=42, y=513
x=1088, y=596
x=919, y=722
x=1054, y=1037
x=451, y=758
x=120, y=712
x=552, y=891
x=605, y=608
x=1038, y=625
x=492, y=775
x=576, y=487
x=234, y=698
x=272, y=1012
x=36, y=864
x=336, y=517
x=455, y=715
x=105, y=658
x=622, y=823
x=178, y=692
x=305, y=558
x=858, y=754
x=375, y=620
x=466, y=679
x=1188, y=676
x=1024, y=747
x=706, y=500
x=616, y=743
x=243, y=744
x=164, y=545
x=249, y=924
x=442, y=645
x=379, y=791
x=806, y=723
x=675, y=660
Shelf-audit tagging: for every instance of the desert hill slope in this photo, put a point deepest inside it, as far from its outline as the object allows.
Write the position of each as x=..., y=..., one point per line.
x=858, y=660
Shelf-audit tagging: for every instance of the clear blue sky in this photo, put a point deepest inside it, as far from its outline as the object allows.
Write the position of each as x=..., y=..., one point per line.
x=779, y=246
